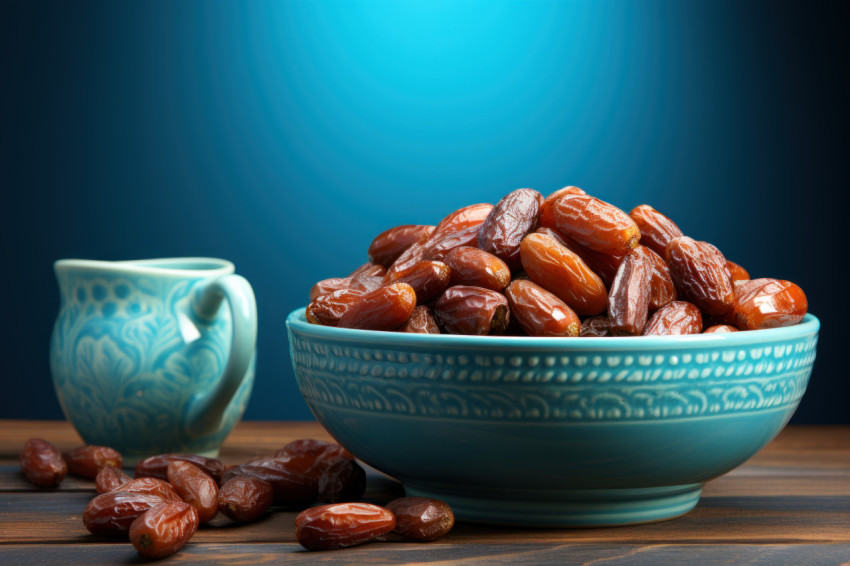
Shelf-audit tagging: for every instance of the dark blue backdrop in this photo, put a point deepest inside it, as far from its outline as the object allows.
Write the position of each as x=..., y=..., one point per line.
x=285, y=135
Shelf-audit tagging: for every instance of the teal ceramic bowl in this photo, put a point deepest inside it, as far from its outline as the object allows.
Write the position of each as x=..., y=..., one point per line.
x=553, y=431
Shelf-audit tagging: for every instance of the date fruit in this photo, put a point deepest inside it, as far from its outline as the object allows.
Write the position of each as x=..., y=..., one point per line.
x=151, y=486
x=662, y=290
x=311, y=456
x=596, y=326
x=344, y=480
x=656, y=230
x=562, y=272
x=421, y=321
x=428, y=279
x=507, y=224
x=291, y=487
x=422, y=518
x=109, y=479
x=464, y=309
x=475, y=267
x=768, y=303
x=547, y=216
x=195, y=487
x=699, y=272
x=42, y=463
x=86, y=461
x=459, y=228
x=244, y=499
x=329, y=308
x=595, y=224
x=678, y=317
x=390, y=244
x=341, y=525
x=539, y=312
x=628, y=300
x=157, y=466
x=719, y=329
x=736, y=272
x=385, y=308
x=164, y=529
x=112, y=513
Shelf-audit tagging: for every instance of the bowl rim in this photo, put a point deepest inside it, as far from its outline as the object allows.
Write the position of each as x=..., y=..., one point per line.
x=297, y=321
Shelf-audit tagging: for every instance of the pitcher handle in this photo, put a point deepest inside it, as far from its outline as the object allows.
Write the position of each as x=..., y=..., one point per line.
x=206, y=408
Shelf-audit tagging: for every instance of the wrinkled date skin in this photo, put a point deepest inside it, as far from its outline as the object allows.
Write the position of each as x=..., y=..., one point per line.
x=42, y=463
x=428, y=279
x=736, y=272
x=151, y=486
x=86, y=461
x=678, y=317
x=163, y=530
x=596, y=327
x=768, y=303
x=421, y=321
x=329, y=308
x=244, y=499
x=344, y=480
x=699, y=272
x=385, y=308
x=560, y=271
x=340, y=525
x=109, y=478
x=596, y=224
x=602, y=264
x=539, y=312
x=422, y=518
x=656, y=230
x=195, y=487
x=111, y=514
x=475, y=267
x=157, y=466
x=719, y=329
x=460, y=228
x=390, y=244
x=547, y=214
x=464, y=309
x=662, y=290
x=291, y=487
x=508, y=223
x=411, y=256
x=368, y=270
x=311, y=456
x=628, y=300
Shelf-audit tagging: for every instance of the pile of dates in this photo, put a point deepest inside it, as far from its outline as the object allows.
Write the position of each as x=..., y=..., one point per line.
x=565, y=265
x=173, y=494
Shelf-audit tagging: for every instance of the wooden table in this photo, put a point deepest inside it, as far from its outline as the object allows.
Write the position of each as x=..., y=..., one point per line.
x=790, y=504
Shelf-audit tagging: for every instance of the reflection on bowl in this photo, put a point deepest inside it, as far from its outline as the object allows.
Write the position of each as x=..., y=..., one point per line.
x=553, y=431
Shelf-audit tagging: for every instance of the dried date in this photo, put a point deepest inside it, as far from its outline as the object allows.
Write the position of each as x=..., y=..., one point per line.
x=475, y=267
x=508, y=223
x=421, y=321
x=596, y=327
x=164, y=529
x=368, y=270
x=595, y=224
x=291, y=487
x=656, y=230
x=109, y=478
x=539, y=312
x=329, y=308
x=151, y=486
x=341, y=525
x=678, y=317
x=112, y=513
x=699, y=272
x=768, y=303
x=385, y=308
x=662, y=290
x=390, y=244
x=195, y=487
x=720, y=329
x=547, y=216
x=422, y=518
x=628, y=300
x=736, y=272
x=86, y=461
x=344, y=480
x=157, y=466
x=244, y=499
x=42, y=463
x=428, y=279
x=465, y=309
x=460, y=228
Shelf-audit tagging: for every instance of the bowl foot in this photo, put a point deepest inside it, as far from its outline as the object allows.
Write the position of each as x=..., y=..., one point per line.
x=562, y=508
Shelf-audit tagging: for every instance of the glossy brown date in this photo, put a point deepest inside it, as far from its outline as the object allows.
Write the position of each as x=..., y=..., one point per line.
x=562, y=272
x=311, y=456
x=508, y=223
x=42, y=463
x=86, y=461
x=595, y=224
x=341, y=525
x=390, y=244
x=109, y=478
x=244, y=499
x=628, y=300
x=385, y=308
x=150, y=486
x=428, y=279
x=547, y=215
x=736, y=272
x=368, y=270
x=344, y=480
x=421, y=321
x=539, y=312
x=111, y=514
x=596, y=327
x=157, y=466
x=465, y=309
x=460, y=228
x=720, y=329
x=291, y=486
x=329, y=308
x=662, y=290
x=656, y=230
x=475, y=267
x=422, y=518
x=195, y=487
x=678, y=317
x=602, y=264
x=411, y=256
x=768, y=303
x=699, y=272
x=164, y=529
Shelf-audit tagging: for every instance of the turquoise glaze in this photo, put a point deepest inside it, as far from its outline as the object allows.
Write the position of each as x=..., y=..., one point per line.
x=553, y=431
x=144, y=360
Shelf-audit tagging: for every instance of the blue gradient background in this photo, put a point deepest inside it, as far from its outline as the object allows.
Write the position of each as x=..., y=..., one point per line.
x=285, y=135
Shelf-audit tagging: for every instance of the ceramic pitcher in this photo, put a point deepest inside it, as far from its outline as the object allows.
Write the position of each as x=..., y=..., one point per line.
x=153, y=356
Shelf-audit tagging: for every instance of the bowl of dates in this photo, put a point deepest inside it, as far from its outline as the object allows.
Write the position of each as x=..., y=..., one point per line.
x=552, y=361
